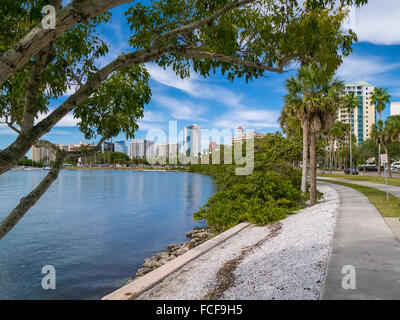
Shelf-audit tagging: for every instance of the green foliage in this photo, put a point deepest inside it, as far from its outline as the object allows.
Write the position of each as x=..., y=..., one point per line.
x=269, y=194
x=116, y=105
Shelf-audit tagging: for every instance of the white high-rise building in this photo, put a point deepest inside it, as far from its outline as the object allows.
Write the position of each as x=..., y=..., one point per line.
x=168, y=150
x=141, y=149
x=364, y=116
x=192, y=140
x=395, y=108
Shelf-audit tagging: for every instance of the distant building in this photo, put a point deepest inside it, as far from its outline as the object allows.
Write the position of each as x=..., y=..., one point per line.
x=42, y=154
x=192, y=140
x=395, y=108
x=120, y=146
x=168, y=150
x=241, y=135
x=141, y=149
x=108, y=146
x=213, y=146
x=364, y=116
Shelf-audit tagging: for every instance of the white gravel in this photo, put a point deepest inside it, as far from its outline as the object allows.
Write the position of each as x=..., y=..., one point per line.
x=291, y=265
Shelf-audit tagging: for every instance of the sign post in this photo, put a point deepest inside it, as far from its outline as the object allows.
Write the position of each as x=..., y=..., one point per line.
x=384, y=161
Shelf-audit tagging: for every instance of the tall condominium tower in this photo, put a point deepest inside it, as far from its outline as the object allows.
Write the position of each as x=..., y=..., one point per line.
x=168, y=150
x=192, y=140
x=141, y=149
x=364, y=116
x=108, y=146
x=120, y=146
x=42, y=153
x=395, y=108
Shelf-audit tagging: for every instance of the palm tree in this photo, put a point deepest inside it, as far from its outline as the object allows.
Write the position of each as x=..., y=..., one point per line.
x=351, y=102
x=335, y=133
x=379, y=98
x=295, y=107
x=390, y=133
x=314, y=99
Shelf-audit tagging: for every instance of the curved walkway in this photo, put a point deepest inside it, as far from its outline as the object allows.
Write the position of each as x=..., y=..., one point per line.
x=364, y=241
x=391, y=189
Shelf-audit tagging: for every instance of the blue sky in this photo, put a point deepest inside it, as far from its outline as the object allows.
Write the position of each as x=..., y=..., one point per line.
x=218, y=103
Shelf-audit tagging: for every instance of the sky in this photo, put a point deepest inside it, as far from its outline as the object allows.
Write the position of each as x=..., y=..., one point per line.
x=216, y=103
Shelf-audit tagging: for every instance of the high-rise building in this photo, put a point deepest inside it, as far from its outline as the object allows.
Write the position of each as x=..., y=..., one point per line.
x=364, y=116
x=120, y=146
x=168, y=150
x=42, y=154
x=141, y=149
x=395, y=108
x=108, y=146
x=192, y=140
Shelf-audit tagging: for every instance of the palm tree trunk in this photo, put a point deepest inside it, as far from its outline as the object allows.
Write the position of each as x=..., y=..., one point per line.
x=379, y=160
x=347, y=148
x=331, y=155
x=388, y=163
x=313, y=170
x=351, y=154
x=379, y=155
x=305, y=158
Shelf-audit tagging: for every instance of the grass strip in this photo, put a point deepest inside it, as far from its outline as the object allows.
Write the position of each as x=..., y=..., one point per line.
x=388, y=209
x=381, y=180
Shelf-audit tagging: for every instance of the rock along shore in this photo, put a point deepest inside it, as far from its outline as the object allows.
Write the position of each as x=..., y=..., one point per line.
x=196, y=236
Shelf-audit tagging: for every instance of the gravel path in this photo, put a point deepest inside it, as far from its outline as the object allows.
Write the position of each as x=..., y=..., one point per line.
x=286, y=264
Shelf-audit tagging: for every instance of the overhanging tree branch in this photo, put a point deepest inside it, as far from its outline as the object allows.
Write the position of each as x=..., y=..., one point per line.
x=33, y=197
x=15, y=58
x=30, y=200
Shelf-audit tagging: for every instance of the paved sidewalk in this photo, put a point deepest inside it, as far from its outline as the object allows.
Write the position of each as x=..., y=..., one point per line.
x=391, y=189
x=362, y=240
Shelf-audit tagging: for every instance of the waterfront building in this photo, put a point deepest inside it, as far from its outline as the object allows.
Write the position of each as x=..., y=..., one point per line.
x=42, y=154
x=213, y=146
x=168, y=150
x=108, y=146
x=141, y=149
x=120, y=146
x=395, y=108
x=364, y=116
x=192, y=140
x=241, y=135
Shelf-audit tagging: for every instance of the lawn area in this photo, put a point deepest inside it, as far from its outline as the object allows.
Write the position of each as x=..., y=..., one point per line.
x=388, y=209
x=393, y=182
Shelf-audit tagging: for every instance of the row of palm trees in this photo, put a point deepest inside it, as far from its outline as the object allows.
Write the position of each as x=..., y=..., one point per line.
x=311, y=103
x=384, y=133
x=310, y=109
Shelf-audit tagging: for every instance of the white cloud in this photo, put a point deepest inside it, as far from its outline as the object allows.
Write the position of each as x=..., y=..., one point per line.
x=180, y=109
x=378, y=22
x=358, y=67
x=67, y=121
x=249, y=119
x=195, y=86
x=5, y=130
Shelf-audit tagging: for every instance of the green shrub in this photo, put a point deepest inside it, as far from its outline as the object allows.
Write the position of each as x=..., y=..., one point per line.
x=269, y=194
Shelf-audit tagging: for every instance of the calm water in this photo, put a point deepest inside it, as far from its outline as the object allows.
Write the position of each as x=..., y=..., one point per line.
x=95, y=227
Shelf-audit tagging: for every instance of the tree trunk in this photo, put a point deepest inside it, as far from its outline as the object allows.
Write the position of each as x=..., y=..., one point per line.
x=29, y=201
x=388, y=163
x=305, y=158
x=347, y=148
x=351, y=154
x=379, y=160
x=313, y=170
